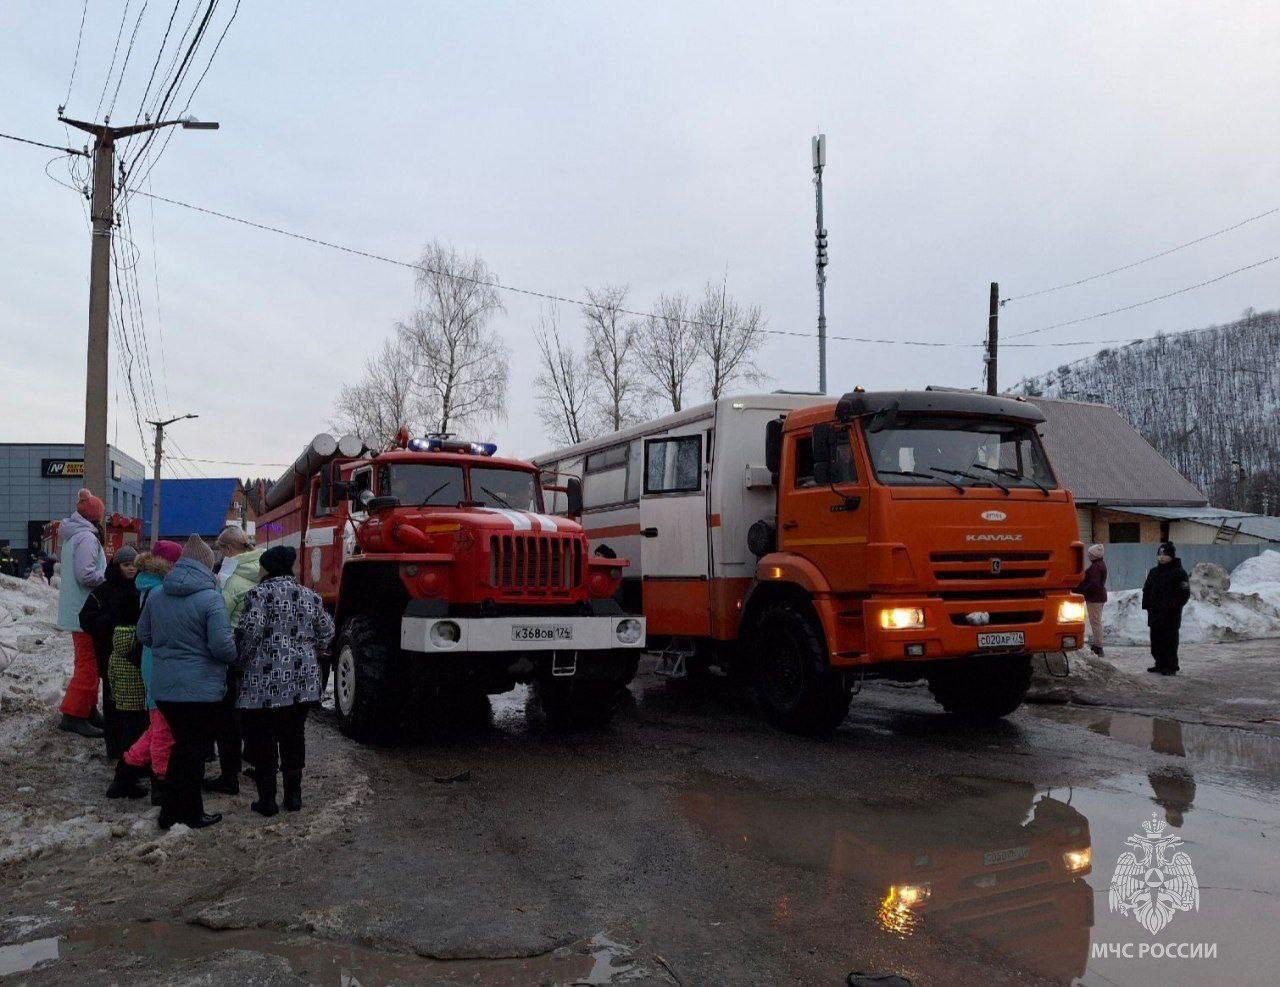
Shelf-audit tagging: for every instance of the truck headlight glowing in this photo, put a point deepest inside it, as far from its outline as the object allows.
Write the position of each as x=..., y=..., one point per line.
x=902, y=619
x=1078, y=860
x=629, y=631
x=445, y=633
x=1070, y=612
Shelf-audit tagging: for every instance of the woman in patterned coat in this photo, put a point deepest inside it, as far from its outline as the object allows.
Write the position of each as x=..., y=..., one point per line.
x=283, y=631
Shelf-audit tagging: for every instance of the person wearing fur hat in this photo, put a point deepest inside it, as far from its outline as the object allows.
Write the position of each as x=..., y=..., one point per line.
x=283, y=633
x=1164, y=594
x=1094, y=590
x=111, y=605
x=84, y=568
x=150, y=753
x=186, y=626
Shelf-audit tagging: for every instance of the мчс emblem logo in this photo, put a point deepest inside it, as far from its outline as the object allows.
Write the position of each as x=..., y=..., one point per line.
x=1154, y=882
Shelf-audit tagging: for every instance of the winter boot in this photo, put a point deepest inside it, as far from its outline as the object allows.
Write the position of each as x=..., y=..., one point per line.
x=79, y=725
x=1096, y=650
x=95, y=718
x=157, y=790
x=125, y=784
x=292, y=791
x=227, y=784
x=266, y=804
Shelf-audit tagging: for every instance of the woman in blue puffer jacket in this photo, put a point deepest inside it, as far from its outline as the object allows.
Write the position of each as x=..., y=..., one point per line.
x=185, y=624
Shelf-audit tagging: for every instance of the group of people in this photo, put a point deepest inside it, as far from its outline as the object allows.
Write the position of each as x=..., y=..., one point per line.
x=1164, y=593
x=192, y=650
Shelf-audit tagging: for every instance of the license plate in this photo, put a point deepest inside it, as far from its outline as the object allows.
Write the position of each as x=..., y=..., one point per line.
x=993, y=857
x=1002, y=639
x=542, y=632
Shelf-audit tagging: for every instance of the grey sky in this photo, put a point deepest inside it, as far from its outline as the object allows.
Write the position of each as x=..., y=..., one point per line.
x=657, y=145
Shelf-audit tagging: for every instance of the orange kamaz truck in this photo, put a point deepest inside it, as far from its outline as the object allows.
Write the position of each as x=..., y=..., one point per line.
x=810, y=544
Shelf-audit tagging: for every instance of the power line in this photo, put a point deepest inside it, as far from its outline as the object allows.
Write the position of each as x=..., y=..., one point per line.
x=223, y=462
x=1144, y=260
x=51, y=147
x=75, y=60
x=164, y=42
x=577, y=302
x=114, y=53
x=1148, y=301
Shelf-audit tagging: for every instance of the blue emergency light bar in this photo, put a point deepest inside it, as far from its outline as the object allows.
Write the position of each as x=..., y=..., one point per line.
x=437, y=444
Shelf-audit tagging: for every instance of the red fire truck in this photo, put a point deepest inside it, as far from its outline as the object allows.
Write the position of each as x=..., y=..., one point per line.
x=118, y=529
x=448, y=581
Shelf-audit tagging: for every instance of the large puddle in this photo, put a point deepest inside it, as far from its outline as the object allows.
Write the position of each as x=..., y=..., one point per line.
x=1025, y=875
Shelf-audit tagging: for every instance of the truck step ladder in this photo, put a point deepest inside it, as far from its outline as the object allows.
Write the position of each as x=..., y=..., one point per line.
x=564, y=663
x=673, y=660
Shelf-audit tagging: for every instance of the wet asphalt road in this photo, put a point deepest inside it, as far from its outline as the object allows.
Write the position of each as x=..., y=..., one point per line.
x=690, y=843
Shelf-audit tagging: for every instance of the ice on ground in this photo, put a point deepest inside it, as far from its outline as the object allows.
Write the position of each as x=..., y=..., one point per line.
x=35, y=657
x=22, y=839
x=1241, y=607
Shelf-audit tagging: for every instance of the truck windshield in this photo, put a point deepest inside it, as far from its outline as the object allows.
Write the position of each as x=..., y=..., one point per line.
x=424, y=484
x=934, y=451
x=511, y=489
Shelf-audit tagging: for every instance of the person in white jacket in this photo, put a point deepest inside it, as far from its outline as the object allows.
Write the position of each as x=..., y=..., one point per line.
x=84, y=567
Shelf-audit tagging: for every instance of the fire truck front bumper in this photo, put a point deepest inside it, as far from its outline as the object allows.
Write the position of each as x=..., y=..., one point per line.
x=928, y=628
x=446, y=635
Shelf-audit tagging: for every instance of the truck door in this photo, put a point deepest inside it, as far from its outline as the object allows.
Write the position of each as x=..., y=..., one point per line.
x=673, y=528
x=827, y=526
x=319, y=562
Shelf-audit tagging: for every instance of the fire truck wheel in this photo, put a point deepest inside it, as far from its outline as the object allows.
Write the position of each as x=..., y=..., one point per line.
x=368, y=691
x=570, y=705
x=983, y=689
x=794, y=685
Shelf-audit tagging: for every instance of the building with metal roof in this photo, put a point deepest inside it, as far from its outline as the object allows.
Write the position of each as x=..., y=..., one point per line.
x=197, y=507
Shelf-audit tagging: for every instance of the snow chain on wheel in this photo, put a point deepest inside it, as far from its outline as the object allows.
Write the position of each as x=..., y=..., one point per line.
x=795, y=686
x=368, y=683
x=983, y=689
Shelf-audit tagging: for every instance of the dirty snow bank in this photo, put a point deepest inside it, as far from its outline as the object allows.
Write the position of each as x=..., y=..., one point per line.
x=1238, y=607
x=35, y=657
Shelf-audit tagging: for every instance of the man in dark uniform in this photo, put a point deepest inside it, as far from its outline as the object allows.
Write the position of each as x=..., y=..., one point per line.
x=1164, y=594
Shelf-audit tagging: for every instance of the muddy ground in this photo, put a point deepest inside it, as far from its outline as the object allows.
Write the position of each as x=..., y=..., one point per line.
x=688, y=843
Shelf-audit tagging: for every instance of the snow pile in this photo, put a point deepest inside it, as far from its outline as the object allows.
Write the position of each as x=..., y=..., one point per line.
x=25, y=839
x=35, y=657
x=1244, y=607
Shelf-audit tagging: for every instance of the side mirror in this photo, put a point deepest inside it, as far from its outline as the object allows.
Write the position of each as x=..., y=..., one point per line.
x=823, y=452
x=573, y=496
x=373, y=504
x=773, y=446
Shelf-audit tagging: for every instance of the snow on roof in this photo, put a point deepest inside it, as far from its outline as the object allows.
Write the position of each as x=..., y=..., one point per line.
x=1103, y=459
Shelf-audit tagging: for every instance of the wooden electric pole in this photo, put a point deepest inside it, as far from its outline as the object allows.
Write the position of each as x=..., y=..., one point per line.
x=103, y=215
x=155, y=475
x=993, y=340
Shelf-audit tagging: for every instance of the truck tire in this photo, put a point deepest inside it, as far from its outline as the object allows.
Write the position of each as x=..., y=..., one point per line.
x=794, y=684
x=982, y=689
x=369, y=685
x=570, y=705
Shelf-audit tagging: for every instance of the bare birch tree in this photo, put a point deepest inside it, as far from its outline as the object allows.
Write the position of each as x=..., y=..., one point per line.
x=667, y=349
x=729, y=336
x=383, y=400
x=564, y=387
x=611, y=342
x=460, y=362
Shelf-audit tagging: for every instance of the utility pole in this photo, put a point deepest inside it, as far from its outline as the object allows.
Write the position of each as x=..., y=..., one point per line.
x=155, y=476
x=103, y=214
x=993, y=340
x=819, y=148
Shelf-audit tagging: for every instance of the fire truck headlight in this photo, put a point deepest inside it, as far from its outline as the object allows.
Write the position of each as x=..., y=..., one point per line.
x=629, y=631
x=1078, y=860
x=445, y=633
x=1071, y=612
x=902, y=618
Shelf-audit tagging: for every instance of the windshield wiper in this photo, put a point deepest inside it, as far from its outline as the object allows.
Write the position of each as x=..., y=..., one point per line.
x=498, y=497
x=972, y=476
x=923, y=476
x=1013, y=475
x=427, y=499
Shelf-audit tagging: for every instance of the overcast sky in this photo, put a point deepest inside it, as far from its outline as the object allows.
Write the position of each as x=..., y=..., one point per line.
x=655, y=144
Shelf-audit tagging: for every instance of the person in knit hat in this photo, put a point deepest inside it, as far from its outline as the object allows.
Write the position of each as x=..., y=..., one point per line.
x=185, y=624
x=1165, y=592
x=1094, y=590
x=84, y=568
x=170, y=551
x=111, y=605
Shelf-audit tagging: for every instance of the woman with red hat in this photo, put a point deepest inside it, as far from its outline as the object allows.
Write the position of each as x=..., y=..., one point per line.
x=84, y=567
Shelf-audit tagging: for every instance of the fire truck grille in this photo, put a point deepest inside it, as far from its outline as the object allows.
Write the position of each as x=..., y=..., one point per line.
x=995, y=565
x=535, y=565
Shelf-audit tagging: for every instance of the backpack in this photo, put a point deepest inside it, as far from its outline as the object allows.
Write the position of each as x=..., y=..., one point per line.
x=124, y=671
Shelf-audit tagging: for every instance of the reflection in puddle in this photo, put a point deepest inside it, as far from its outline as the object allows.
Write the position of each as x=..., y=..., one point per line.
x=1000, y=863
x=24, y=956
